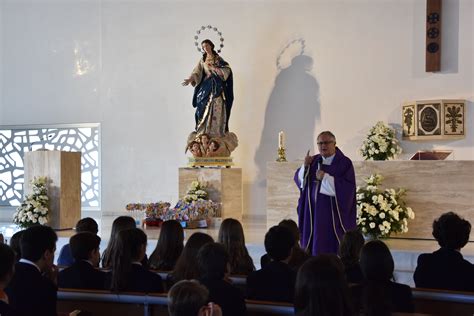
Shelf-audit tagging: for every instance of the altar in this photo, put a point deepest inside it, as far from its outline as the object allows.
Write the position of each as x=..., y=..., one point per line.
x=224, y=186
x=433, y=188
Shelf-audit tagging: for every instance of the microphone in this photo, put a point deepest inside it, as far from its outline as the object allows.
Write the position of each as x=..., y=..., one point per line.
x=44, y=138
x=319, y=161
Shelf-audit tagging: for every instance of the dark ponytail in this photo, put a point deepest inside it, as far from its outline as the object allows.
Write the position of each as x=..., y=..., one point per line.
x=128, y=247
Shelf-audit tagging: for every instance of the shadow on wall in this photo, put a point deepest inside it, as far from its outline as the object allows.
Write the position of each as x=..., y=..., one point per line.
x=293, y=107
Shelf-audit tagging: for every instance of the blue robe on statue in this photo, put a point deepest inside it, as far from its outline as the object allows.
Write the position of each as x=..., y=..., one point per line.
x=214, y=85
x=323, y=219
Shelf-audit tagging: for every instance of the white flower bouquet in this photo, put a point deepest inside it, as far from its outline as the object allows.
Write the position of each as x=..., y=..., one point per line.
x=381, y=212
x=381, y=143
x=34, y=209
x=196, y=192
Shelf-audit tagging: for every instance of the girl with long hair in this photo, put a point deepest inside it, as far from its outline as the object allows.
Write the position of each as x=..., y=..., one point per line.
x=169, y=246
x=186, y=268
x=119, y=224
x=231, y=235
x=321, y=288
x=349, y=252
x=128, y=274
x=379, y=295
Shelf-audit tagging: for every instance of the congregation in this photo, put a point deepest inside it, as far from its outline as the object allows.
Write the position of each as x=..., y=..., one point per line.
x=357, y=281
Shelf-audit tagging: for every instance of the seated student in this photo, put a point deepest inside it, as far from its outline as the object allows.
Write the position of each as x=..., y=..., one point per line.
x=15, y=244
x=321, y=288
x=275, y=281
x=29, y=292
x=231, y=236
x=119, y=224
x=83, y=274
x=378, y=295
x=189, y=298
x=298, y=256
x=349, y=252
x=7, y=269
x=169, y=247
x=446, y=268
x=128, y=274
x=213, y=261
x=186, y=268
x=86, y=224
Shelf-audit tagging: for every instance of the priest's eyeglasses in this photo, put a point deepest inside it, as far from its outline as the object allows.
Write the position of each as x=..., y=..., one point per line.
x=325, y=143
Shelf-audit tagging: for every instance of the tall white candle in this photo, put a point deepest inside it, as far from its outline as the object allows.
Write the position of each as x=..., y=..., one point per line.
x=281, y=139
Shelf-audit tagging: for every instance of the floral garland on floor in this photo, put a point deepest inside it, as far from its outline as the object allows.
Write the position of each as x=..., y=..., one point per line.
x=381, y=212
x=150, y=209
x=381, y=143
x=194, y=206
x=34, y=209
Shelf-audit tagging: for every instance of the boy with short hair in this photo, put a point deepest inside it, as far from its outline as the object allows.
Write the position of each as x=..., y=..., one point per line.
x=276, y=280
x=83, y=273
x=87, y=224
x=29, y=292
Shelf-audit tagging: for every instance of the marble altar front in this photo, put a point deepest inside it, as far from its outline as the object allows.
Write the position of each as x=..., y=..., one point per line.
x=433, y=188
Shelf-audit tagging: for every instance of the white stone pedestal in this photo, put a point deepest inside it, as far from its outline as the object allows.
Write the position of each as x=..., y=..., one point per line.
x=224, y=186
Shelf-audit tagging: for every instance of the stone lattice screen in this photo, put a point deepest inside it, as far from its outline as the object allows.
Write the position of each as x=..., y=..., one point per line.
x=15, y=141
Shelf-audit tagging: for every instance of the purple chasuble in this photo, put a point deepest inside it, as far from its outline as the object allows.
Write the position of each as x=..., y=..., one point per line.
x=323, y=219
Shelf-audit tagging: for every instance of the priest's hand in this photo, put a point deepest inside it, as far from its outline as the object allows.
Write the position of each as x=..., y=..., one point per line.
x=308, y=159
x=320, y=175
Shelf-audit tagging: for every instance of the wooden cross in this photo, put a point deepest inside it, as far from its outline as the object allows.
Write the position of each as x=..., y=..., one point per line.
x=433, y=35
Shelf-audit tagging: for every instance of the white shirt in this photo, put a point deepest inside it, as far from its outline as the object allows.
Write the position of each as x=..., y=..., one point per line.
x=327, y=184
x=31, y=263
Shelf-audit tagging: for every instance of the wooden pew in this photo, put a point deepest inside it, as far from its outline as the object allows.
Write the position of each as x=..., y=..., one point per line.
x=427, y=302
x=136, y=304
x=108, y=303
x=440, y=302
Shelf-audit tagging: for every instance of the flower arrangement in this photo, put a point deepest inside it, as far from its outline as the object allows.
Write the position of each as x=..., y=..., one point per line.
x=150, y=209
x=196, y=192
x=184, y=211
x=381, y=212
x=381, y=143
x=34, y=209
x=193, y=211
x=153, y=212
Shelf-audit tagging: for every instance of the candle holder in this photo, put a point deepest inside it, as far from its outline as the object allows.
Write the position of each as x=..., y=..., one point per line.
x=281, y=154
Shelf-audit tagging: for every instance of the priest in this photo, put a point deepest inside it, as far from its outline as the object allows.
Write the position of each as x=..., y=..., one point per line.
x=327, y=203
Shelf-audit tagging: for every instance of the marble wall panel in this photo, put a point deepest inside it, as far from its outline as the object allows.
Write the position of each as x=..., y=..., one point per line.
x=433, y=187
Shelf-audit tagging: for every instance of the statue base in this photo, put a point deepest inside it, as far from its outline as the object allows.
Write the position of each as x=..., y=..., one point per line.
x=210, y=162
x=224, y=185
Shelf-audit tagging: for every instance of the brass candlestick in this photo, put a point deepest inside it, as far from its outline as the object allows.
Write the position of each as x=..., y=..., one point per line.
x=281, y=154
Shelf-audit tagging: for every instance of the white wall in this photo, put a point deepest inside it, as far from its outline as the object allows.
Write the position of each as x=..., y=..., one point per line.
x=363, y=58
x=1, y=62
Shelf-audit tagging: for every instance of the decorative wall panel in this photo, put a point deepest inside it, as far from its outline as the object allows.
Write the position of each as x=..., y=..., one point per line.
x=15, y=141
